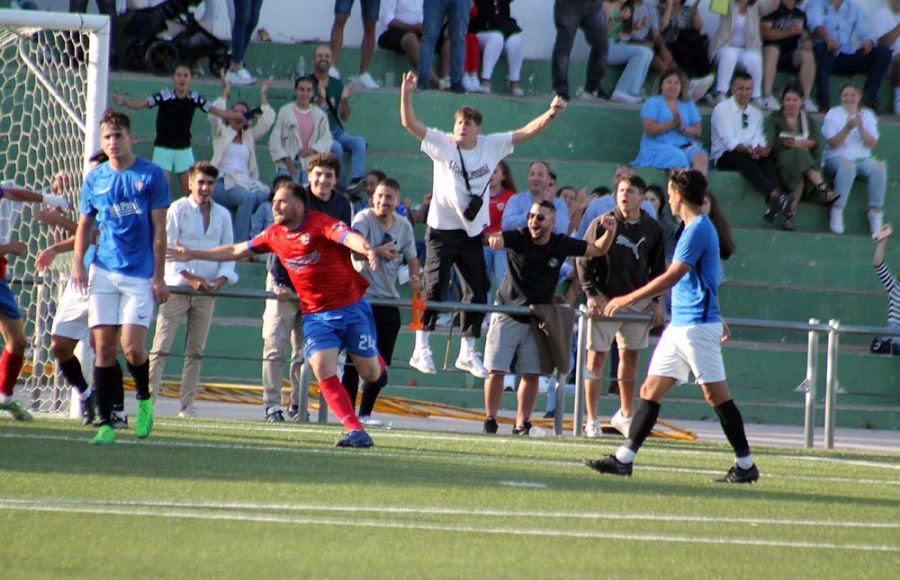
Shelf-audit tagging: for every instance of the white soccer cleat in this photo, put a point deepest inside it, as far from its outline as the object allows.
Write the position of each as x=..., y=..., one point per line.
x=621, y=423
x=421, y=361
x=471, y=363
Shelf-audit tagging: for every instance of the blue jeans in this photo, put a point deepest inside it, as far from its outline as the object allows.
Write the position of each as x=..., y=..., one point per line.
x=495, y=261
x=636, y=59
x=241, y=203
x=875, y=65
x=845, y=171
x=457, y=12
x=299, y=177
x=345, y=142
x=569, y=16
x=246, y=17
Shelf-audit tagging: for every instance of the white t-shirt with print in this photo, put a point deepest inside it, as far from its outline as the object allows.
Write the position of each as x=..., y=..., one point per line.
x=853, y=146
x=449, y=195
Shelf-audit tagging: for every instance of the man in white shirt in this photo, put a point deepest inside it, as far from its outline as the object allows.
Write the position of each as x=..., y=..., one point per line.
x=463, y=164
x=739, y=142
x=200, y=223
x=885, y=24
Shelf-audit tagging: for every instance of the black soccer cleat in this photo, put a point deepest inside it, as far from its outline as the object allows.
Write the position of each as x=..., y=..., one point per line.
x=119, y=421
x=738, y=475
x=524, y=430
x=610, y=465
x=88, y=412
x=356, y=438
x=490, y=425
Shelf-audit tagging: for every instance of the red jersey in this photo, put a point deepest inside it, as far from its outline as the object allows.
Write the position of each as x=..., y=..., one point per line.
x=497, y=205
x=316, y=260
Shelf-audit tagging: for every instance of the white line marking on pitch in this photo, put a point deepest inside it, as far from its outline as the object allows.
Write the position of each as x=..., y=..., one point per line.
x=438, y=510
x=164, y=442
x=275, y=518
x=524, y=484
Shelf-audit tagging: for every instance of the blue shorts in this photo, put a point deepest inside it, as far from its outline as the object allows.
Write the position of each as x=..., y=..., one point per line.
x=370, y=8
x=8, y=305
x=351, y=327
x=173, y=160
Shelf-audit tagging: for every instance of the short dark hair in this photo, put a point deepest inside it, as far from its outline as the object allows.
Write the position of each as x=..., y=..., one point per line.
x=552, y=175
x=548, y=205
x=377, y=173
x=329, y=160
x=296, y=190
x=792, y=87
x=391, y=183
x=117, y=119
x=690, y=183
x=276, y=183
x=204, y=167
x=299, y=80
x=633, y=180
x=600, y=191
x=541, y=162
x=468, y=113
x=741, y=76
x=98, y=157
x=676, y=72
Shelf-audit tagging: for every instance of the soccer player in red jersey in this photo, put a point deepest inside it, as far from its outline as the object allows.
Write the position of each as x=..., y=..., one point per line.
x=315, y=250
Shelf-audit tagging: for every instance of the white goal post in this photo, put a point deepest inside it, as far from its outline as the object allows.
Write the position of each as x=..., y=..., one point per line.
x=53, y=89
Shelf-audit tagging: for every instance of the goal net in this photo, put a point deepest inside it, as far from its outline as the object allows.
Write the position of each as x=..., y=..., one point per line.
x=53, y=76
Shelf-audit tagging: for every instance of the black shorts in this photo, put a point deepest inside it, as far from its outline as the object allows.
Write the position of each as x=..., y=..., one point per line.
x=786, y=59
x=391, y=39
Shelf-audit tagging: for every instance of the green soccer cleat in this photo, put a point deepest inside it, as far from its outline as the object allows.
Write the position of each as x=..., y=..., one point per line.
x=16, y=409
x=106, y=435
x=144, y=422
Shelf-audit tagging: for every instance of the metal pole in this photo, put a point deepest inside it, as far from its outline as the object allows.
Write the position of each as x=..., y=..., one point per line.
x=303, y=402
x=812, y=374
x=580, y=355
x=560, y=404
x=831, y=369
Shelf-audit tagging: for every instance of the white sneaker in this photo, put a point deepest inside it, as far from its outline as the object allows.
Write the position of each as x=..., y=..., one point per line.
x=366, y=81
x=770, y=103
x=515, y=91
x=241, y=77
x=875, y=220
x=187, y=413
x=810, y=107
x=444, y=84
x=422, y=362
x=471, y=84
x=444, y=319
x=622, y=424
x=698, y=88
x=471, y=363
x=622, y=97
x=836, y=222
x=334, y=73
x=593, y=428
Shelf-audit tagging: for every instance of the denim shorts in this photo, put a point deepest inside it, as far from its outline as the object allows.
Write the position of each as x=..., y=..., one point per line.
x=370, y=8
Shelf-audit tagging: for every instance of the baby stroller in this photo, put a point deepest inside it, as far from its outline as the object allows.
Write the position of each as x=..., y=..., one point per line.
x=143, y=46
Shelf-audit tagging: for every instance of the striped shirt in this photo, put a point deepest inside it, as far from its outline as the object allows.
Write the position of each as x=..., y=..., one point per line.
x=306, y=125
x=890, y=283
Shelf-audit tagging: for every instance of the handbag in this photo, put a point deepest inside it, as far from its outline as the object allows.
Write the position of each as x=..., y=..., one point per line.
x=475, y=201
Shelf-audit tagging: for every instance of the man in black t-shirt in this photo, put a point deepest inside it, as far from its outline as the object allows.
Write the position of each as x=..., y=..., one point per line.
x=534, y=257
x=787, y=47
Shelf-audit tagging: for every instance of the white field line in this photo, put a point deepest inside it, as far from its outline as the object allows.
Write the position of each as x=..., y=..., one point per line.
x=418, y=455
x=465, y=529
x=11, y=502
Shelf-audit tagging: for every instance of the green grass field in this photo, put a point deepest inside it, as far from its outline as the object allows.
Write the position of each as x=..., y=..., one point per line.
x=241, y=500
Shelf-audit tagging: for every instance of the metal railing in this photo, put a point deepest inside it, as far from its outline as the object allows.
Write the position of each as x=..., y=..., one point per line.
x=814, y=329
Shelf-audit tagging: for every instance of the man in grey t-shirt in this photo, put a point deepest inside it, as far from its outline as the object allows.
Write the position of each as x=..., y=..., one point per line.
x=394, y=242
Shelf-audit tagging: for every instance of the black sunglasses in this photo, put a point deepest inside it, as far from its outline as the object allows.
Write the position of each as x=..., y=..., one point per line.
x=538, y=216
x=745, y=120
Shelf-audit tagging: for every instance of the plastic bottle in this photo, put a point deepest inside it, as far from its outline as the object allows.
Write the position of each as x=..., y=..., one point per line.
x=301, y=67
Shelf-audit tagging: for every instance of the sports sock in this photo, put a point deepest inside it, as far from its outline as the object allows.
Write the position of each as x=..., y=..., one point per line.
x=141, y=375
x=350, y=380
x=71, y=370
x=10, y=365
x=422, y=337
x=733, y=426
x=118, y=392
x=370, y=394
x=336, y=397
x=104, y=385
x=642, y=424
x=625, y=455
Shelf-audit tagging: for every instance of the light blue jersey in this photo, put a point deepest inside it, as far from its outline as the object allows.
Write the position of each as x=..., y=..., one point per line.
x=695, y=295
x=121, y=202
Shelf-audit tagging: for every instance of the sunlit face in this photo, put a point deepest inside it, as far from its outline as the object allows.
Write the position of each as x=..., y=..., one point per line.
x=791, y=103
x=540, y=221
x=322, y=59
x=674, y=199
x=742, y=89
x=201, y=187
x=567, y=194
x=538, y=178
x=384, y=200
x=707, y=205
x=465, y=130
x=287, y=209
x=182, y=77
x=850, y=98
x=303, y=92
x=671, y=87
x=238, y=125
x=115, y=141
x=628, y=197
x=321, y=180
x=654, y=200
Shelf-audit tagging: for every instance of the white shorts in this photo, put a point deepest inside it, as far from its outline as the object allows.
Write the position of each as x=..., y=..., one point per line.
x=683, y=350
x=117, y=299
x=71, y=320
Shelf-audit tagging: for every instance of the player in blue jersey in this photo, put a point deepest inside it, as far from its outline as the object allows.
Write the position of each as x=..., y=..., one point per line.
x=128, y=198
x=692, y=341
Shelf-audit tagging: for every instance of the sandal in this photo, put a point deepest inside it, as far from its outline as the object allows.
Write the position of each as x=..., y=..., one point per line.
x=828, y=194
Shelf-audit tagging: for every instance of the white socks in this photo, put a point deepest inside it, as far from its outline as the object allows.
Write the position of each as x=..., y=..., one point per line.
x=744, y=462
x=422, y=337
x=625, y=455
x=467, y=344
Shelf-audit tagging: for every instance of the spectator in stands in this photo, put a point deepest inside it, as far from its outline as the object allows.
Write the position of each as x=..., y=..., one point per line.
x=172, y=147
x=739, y=142
x=569, y=16
x=246, y=17
x=604, y=202
x=787, y=46
x=369, y=13
x=238, y=187
x=300, y=132
x=502, y=188
x=394, y=242
x=472, y=61
x=672, y=128
x=333, y=98
x=797, y=147
x=635, y=256
x=535, y=255
x=680, y=26
x=515, y=215
x=627, y=20
x=363, y=200
x=281, y=326
x=890, y=283
x=885, y=23
x=852, y=133
x=837, y=26
x=463, y=164
x=498, y=31
x=434, y=12
x=657, y=197
x=737, y=44
x=400, y=26
x=198, y=221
